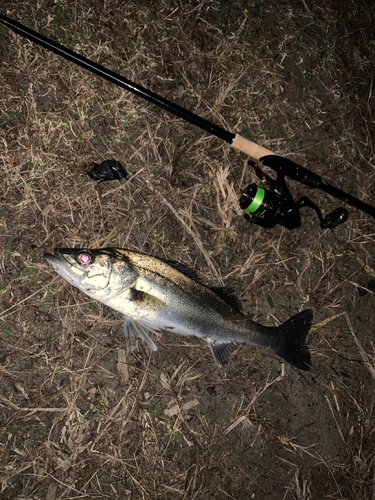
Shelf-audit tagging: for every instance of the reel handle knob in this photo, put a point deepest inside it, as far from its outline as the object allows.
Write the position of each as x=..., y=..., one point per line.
x=338, y=216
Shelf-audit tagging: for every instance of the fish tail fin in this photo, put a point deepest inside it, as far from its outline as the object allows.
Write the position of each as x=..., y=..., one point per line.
x=291, y=340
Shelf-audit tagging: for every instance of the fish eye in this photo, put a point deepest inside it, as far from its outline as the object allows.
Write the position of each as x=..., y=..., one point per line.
x=84, y=258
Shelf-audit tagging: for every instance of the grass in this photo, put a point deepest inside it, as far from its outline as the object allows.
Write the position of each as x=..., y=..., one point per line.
x=80, y=417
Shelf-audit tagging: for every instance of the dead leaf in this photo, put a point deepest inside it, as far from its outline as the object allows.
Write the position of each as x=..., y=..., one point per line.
x=122, y=366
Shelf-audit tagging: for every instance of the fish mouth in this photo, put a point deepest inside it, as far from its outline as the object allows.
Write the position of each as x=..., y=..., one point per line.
x=63, y=264
x=56, y=256
x=56, y=259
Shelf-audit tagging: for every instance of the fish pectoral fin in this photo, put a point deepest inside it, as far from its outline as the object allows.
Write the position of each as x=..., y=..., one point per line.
x=134, y=327
x=137, y=295
x=221, y=351
x=147, y=300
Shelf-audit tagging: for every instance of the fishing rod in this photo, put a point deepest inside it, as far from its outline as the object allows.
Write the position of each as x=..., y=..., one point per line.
x=266, y=208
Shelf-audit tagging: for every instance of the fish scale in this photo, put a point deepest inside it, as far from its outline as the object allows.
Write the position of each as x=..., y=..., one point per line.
x=155, y=295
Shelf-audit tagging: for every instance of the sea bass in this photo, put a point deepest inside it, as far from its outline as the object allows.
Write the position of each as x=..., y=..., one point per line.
x=156, y=295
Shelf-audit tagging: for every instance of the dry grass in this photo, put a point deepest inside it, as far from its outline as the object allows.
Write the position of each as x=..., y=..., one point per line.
x=80, y=418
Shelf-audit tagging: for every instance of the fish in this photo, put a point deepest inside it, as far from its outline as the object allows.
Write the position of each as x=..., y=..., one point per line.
x=157, y=295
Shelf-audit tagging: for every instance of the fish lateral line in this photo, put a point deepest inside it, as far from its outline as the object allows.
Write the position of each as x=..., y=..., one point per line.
x=242, y=317
x=156, y=297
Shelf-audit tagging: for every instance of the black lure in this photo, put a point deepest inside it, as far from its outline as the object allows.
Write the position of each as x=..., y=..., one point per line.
x=109, y=170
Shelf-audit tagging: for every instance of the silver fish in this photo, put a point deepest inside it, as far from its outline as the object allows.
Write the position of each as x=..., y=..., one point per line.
x=156, y=295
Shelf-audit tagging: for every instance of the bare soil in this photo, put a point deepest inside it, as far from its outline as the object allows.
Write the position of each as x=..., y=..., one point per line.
x=79, y=416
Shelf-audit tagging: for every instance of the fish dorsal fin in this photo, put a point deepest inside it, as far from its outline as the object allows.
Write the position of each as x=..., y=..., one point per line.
x=222, y=292
x=182, y=268
x=221, y=351
x=228, y=297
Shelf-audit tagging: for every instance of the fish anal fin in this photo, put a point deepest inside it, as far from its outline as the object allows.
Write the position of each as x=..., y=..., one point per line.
x=221, y=351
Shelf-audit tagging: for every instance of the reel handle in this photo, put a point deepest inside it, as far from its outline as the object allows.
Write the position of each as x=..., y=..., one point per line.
x=301, y=174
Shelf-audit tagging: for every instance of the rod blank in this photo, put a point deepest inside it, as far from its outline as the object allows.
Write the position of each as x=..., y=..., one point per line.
x=254, y=150
x=112, y=77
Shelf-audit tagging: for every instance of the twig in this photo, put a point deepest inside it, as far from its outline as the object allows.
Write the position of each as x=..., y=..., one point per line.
x=362, y=352
x=190, y=231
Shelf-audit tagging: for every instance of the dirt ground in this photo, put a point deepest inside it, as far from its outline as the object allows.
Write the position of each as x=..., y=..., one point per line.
x=80, y=417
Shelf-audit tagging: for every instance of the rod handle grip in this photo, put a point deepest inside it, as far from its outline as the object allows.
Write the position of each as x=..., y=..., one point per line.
x=250, y=148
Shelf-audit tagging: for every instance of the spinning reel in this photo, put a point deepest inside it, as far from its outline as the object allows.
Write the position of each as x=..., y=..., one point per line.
x=269, y=207
x=262, y=206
